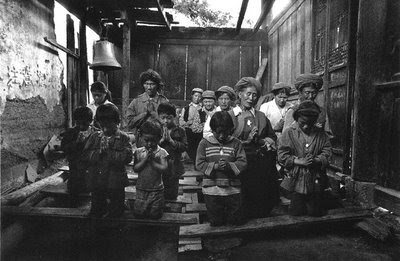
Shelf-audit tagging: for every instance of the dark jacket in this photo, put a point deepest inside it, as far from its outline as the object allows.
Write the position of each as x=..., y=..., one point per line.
x=107, y=169
x=178, y=134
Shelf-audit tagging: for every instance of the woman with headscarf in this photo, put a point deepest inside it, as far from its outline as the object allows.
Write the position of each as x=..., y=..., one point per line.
x=276, y=109
x=146, y=104
x=304, y=150
x=308, y=86
x=226, y=97
x=259, y=181
x=101, y=95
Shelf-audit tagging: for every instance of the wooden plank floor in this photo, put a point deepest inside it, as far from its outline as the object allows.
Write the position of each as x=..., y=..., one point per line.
x=75, y=213
x=336, y=215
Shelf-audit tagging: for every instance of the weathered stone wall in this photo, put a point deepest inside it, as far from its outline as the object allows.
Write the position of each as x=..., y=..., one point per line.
x=30, y=81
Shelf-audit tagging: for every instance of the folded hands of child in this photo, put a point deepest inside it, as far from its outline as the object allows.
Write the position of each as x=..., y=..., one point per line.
x=308, y=161
x=221, y=165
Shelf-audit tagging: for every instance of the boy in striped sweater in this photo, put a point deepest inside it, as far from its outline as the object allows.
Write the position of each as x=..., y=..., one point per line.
x=221, y=158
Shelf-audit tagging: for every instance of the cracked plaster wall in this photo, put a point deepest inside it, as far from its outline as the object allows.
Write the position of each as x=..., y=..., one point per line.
x=30, y=80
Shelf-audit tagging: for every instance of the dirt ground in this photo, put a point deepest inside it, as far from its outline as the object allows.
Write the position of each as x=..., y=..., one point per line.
x=322, y=242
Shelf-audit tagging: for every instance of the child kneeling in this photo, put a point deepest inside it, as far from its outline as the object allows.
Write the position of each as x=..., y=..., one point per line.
x=72, y=143
x=304, y=151
x=150, y=162
x=221, y=158
x=106, y=152
x=174, y=142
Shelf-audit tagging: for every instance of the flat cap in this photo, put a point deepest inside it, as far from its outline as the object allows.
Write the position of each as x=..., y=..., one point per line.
x=208, y=94
x=226, y=89
x=197, y=90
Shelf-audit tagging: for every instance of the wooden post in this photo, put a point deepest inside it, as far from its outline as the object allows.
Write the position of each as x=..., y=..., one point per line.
x=83, y=68
x=126, y=65
x=70, y=69
x=351, y=71
x=369, y=70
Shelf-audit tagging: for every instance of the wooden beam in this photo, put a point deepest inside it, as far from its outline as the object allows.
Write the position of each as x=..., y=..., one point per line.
x=83, y=63
x=60, y=47
x=161, y=10
x=273, y=223
x=241, y=15
x=265, y=10
x=126, y=64
x=387, y=198
x=20, y=195
x=82, y=214
x=351, y=74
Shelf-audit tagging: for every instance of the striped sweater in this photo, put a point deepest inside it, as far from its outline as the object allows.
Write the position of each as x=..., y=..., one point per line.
x=221, y=182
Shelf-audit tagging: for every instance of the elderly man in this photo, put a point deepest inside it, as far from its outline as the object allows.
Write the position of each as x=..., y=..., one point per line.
x=308, y=86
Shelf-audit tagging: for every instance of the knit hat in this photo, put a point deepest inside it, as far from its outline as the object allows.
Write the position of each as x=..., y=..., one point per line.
x=208, y=95
x=226, y=89
x=248, y=82
x=306, y=108
x=308, y=78
x=281, y=86
x=197, y=90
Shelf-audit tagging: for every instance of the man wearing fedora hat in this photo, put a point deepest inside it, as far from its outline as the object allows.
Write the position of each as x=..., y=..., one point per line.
x=276, y=109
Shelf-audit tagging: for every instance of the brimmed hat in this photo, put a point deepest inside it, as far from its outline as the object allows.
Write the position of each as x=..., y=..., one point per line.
x=248, y=82
x=208, y=94
x=226, y=89
x=281, y=86
x=308, y=78
x=306, y=108
x=197, y=90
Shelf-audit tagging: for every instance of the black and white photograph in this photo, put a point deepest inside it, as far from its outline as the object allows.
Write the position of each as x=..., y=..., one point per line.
x=200, y=130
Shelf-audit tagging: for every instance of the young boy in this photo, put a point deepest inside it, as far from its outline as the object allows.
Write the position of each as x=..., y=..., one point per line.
x=221, y=158
x=72, y=143
x=150, y=162
x=106, y=152
x=189, y=120
x=174, y=142
x=304, y=151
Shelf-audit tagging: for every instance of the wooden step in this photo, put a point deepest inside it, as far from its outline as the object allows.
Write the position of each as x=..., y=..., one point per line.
x=81, y=214
x=130, y=193
x=197, y=207
x=274, y=223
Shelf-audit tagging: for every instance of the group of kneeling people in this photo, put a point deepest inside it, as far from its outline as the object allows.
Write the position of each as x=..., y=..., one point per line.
x=237, y=154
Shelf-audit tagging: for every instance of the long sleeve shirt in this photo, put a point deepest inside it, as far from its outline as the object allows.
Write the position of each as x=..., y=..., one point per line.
x=177, y=134
x=139, y=106
x=193, y=118
x=107, y=167
x=221, y=182
x=295, y=144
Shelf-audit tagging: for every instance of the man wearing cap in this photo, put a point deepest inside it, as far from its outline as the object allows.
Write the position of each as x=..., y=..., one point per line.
x=208, y=108
x=276, y=109
x=308, y=86
x=189, y=120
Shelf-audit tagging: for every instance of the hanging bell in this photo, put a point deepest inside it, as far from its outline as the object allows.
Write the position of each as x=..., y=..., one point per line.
x=104, y=57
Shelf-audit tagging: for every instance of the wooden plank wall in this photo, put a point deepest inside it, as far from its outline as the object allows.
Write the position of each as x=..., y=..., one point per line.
x=188, y=63
x=290, y=44
x=290, y=53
